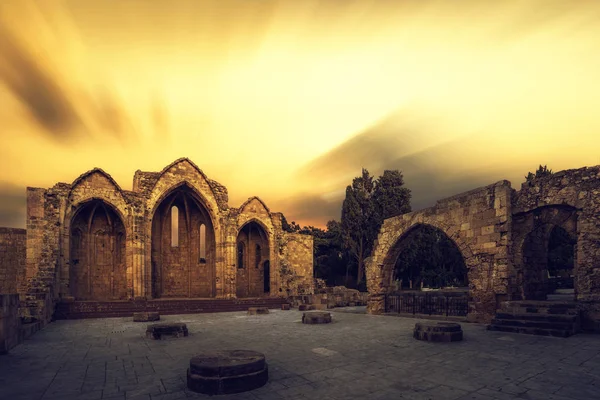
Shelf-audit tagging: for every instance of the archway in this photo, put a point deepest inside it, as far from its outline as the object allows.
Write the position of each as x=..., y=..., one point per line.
x=252, y=256
x=543, y=237
x=97, y=253
x=548, y=260
x=425, y=257
x=183, y=247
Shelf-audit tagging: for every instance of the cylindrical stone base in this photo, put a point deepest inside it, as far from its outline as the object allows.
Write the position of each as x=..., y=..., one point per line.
x=258, y=310
x=146, y=316
x=227, y=372
x=159, y=331
x=316, y=317
x=438, y=331
x=285, y=306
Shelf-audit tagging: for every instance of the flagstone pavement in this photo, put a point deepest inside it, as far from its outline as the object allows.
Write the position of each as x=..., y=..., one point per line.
x=358, y=356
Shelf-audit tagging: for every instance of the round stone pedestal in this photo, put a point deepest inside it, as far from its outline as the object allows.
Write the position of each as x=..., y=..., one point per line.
x=316, y=317
x=438, y=331
x=146, y=316
x=285, y=306
x=258, y=310
x=158, y=331
x=227, y=372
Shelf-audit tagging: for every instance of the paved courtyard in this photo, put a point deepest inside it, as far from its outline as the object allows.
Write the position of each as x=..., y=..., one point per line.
x=358, y=356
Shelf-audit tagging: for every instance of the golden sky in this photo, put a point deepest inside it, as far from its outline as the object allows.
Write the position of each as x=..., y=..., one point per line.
x=287, y=100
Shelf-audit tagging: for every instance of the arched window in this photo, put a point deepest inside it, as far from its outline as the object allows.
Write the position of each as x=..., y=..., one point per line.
x=174, y=226
x=257, y=255
x=202, y=243
x=240, y=260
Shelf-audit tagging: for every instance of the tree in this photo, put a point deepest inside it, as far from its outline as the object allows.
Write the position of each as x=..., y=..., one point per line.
x=368, y=202
x=390, y=195
x=287, y=227
x=359, y=221
x=542, y=171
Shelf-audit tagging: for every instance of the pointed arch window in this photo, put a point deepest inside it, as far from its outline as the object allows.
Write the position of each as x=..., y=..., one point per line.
x=257, y=255
x=240, y=256
x=202, y=243
x=174, y=226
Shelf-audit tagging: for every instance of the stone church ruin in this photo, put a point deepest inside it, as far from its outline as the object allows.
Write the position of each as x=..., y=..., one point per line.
x=505, y=237
x=92, y=248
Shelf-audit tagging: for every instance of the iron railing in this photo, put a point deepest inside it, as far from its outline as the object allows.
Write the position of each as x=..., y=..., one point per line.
x=450, y=305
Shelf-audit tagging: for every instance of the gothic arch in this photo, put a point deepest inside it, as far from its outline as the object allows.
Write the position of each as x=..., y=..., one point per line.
x=96, y=252
x=181, y=271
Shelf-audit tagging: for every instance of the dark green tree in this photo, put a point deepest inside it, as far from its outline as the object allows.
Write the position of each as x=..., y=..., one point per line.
x=390, y=196
x=359, y=221
x=542, y=171
x=368, y=202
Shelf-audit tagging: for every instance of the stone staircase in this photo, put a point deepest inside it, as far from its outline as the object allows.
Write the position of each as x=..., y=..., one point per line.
x=111, y=309
x=544, y=318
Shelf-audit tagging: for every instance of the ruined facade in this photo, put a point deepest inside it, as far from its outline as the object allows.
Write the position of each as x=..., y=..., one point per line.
x=503, y=235
x=173, y=236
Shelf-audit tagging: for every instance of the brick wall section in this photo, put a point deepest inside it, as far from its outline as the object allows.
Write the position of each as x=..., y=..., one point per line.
x=478, y=222
x=12, y=259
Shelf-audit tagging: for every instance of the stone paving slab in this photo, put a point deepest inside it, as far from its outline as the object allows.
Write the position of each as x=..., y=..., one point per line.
x=358, y=356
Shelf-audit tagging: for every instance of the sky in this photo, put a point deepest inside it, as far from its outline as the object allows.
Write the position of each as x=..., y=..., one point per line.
x=288, y=100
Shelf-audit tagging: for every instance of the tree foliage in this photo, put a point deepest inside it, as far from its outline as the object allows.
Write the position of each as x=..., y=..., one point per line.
x=368, y=202
x=542, y=171
x=429, y=257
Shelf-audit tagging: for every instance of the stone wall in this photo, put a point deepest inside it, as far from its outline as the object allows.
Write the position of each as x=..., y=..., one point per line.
x=568, y=198
x=297, y=263
x=477, y=222
x=12, y=259
x=10, y=323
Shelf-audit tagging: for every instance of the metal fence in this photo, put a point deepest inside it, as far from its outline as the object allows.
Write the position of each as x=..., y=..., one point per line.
x=450, y=305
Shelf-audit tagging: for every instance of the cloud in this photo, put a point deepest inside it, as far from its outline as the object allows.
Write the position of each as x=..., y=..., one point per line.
x=35, y=87
x=421, y=145
x=13, y=205
x=63, y=113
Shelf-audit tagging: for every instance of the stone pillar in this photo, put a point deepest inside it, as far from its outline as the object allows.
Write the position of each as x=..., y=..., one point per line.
x=138, y=255
x=35, y=232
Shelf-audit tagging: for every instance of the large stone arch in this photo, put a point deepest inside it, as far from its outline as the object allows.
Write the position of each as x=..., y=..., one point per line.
x=181, y=270
x=96, y=250
x=96, y=184
x=477, y=222
x=389, y=261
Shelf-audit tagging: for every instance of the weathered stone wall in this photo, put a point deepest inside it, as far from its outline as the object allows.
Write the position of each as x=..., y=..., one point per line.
x=12, y=259
x=297, y=258
x=10, y=323
x=478, y=222
x=95, y=204
x=577, y=190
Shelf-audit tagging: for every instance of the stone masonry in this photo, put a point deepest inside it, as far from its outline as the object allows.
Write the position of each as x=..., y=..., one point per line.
x=173, y=236
x=503, y=236
x=12, y=259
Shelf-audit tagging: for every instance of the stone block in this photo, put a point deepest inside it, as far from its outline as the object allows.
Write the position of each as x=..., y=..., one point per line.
x=146, y=316
x=258, y=310
x=159, y=331
x=316, y=317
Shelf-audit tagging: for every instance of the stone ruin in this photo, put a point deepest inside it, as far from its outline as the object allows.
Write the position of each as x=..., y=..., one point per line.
x=173, y=236
x=503, y=235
